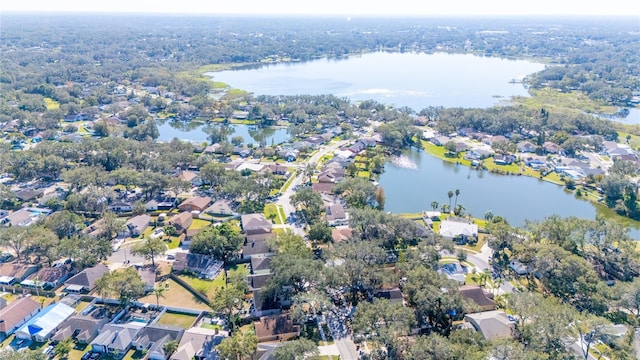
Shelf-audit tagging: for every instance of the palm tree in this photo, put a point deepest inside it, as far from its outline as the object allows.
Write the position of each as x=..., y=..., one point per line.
x=450, y=195
x=37, y=283
x=457, y=193
x=488, y=215
x=435, y=205
x=159, y=292
x=170, y=347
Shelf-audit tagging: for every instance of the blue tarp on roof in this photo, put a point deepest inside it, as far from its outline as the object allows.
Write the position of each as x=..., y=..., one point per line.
x=43, y=324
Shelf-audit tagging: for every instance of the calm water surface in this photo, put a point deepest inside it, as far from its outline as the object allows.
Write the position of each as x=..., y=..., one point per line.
x=400, y=79
x=516, y=198
x=195, y=132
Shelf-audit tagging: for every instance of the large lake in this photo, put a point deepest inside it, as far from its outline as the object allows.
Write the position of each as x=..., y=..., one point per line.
x=516, y=198
x=400, y=79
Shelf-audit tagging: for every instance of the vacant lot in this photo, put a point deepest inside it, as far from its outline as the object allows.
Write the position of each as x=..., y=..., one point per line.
x=175, y=319
x=176, y=296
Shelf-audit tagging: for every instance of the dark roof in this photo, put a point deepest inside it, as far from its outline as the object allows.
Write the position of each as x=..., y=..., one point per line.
x=335, y=212
x=28, y=194
x=390, y=294
x=260, y=263
x=88, y=277
x=255, y=248
x=50, y=274
x=269, y=326
x=258, y=281
x=475, y=294
x=204, y=265
x=323, y=187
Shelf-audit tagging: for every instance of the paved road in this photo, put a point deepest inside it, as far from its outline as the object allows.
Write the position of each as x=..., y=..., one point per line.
x=347, y=349
x=285, y=197
x=481, y=261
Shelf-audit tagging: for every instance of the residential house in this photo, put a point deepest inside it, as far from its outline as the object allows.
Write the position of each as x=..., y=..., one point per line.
x=526, y=147
x=551, y=148
x=440, y=140
x=264, y=305
x=474, y=294
x=323, y=187
x=138, y=224
x=17, y=271
x=247, y=166
x=148, y=277
x=42, y=326
x=190, y=177
x=458, y=229
x=28, y=195
x=260, y=264
x=189, y=236
x=115, y=339
x=198, y=343
x=48, y=277
x=255, y=224
x=22, y=217
x=95, y=229
x=519, y=268
x=120, y=206
x=453, y=271
x=204, y=266
x=152, y=339
x=393, y=295
x=220, y=207
x=341, y=234
x=255, y=248
x=490, y=140
x=276, y=169
x=160, y=204
x=335, y=215
x=356, y=147
x=85, y=281
x=258, y=281
x=15, y=314
x=503, y=159
x=196, y=203
x=259, y=237
x=492, y=324
x=82, y=328
x=276, y=328
x=3, y=303
x=479, y=154
x=181, y=221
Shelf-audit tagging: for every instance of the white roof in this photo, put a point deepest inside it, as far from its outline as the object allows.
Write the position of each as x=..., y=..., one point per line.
x=250, y=166
x=456, y=228
x=6, y=279
x=47, y=320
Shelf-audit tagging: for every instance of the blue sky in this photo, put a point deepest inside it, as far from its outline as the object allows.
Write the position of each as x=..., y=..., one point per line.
x=336, y=7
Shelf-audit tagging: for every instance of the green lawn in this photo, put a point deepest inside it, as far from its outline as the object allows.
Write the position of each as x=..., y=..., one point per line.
x=211, y=326
x=199, y=224
x=207, y=287
x=271, y=211
x=181, y=320
x=51, y=104
x=174, y=243
x=77, y=352
x=550, y=98
x=288, y=183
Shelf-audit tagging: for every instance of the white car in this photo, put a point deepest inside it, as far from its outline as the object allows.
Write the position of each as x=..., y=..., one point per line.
x=157, y=233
